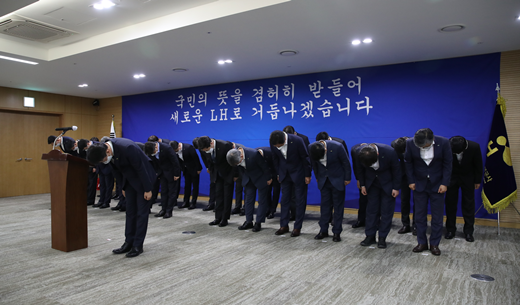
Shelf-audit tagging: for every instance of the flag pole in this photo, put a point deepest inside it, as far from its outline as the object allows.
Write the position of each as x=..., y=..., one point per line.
x=498, y=223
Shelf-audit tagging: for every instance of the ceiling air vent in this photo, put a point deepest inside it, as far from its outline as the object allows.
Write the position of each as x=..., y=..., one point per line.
x=25, y=28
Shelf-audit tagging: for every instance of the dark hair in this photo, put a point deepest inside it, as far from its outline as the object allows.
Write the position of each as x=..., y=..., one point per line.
x=94, y=139
x=195, y=142
x=68, y=144
x=423, y=137
x=367, y=155
x=399, y=145
x=51, y=139
x=289, y=129
x=141, y=145
x=322, y=136
x=204, y=142
x=174, y=145
x=277, y=137
x=149, y=148
x=96, y=152
x=153, y=138
x=82, y=144
x=316, y=151
x=458, y=144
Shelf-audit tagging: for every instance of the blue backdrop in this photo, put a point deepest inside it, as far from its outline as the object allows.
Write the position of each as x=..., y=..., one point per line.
x=376, y=104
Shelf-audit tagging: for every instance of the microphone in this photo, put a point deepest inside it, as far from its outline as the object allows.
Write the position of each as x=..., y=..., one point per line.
x=74, y=128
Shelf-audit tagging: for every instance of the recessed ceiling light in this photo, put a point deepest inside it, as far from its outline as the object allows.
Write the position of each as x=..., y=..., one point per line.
x=83, y=85
x=452, y=28
x=367, y=40
x=103, y=4
x=179, y=70
x=288, y=52
x=227, y=61
x=518, y=18
x=136, y=76
x=19, y=60
x=356, y=42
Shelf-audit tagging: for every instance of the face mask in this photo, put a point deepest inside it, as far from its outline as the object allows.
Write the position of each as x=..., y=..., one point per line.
x=108, y=159
x=210, y=151
x=76, y=149
x=280, y=148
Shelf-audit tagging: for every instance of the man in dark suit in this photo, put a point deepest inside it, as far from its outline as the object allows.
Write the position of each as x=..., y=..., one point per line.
x=136, y=171
x=291, y=161
x=66, y=144
x=255, y=176
x=206, y=159
x=169, y=170
x=362, y=210
x=332, y=170
x=106, y=185
x=274, y=188
x=428, y=168
x=399, y=146
x=380, y=179
x=466, y=175
x=222, y=174
x=325, y=136
x=290, y=130
x=191, y=168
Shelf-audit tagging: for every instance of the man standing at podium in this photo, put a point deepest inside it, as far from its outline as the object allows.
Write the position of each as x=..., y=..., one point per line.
x=136, y=171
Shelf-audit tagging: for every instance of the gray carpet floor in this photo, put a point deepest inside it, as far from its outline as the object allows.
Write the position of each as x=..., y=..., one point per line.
x=227, y=266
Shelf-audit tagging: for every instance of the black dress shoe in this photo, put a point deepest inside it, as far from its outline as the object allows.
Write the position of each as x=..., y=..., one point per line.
x=135, y=252
x=115, y=196
x=321, y=235
x=116, y=208
x=381, y=243
x=210, y=207
x=246, y=225
x=295, y=232
x=185, y=205
x=167, y=215
x=270, y=216
x=235, y=211
x=336, y=238
x=214, y=222
x=449, y=235
x=90, y=203
x=292, y=218
x=97, y=205
x=104, y=206
x=469, y=237
x=414, y=231
x=122, y=209
x=160, y=214
x=404, y=230
x=192, y=206
x=223, y=223
x=282, y=231
x=435, y=250
x=368, y=241
x=242, y=213
x=126, y=247
x=257, y=227
x=420, y=248
x=358, y=224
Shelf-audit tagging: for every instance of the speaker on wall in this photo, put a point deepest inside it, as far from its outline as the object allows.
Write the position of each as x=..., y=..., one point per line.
x=95, y=103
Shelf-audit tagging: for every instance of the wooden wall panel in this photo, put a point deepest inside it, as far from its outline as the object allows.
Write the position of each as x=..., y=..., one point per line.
x=107, y=108
x=510, y=89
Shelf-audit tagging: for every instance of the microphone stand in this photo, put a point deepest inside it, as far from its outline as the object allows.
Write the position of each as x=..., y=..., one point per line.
x=60, y=136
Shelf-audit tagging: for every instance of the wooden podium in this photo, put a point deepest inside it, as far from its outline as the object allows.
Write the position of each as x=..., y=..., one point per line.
x=69, y=178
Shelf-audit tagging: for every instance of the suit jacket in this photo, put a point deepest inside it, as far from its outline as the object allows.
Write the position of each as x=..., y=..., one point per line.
x=304, y=138
x=220, y=166
x=337, y=169
x=268, y=157
x=256, y=169
x=388, y=173
x=439, y=170
x=168, y=163
x=191, y=163
x=297, y=164
x=355, y=162
x=132, y=165
x=470, y=168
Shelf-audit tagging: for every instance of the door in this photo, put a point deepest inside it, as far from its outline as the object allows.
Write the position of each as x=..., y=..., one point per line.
x=23, y=141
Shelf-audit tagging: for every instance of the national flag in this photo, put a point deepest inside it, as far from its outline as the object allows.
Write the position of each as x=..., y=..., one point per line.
x=112, y=129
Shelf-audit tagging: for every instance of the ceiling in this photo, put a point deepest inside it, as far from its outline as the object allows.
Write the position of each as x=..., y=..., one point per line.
x=153, y=37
